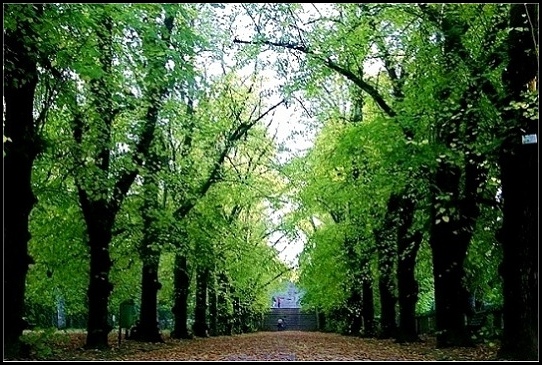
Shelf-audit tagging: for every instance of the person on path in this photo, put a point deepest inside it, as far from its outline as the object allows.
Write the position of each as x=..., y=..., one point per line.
x=280, y=324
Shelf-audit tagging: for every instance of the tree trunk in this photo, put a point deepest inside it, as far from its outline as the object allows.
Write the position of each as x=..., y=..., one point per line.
x=148, y=329
x=224, y=317
x=368, y=311
x=19, y=87
x=388, y=325
x=213, y=306
x=201, y=328
x=519, y=177
x=407, y=249
x=353, y=310
x=449, y=249
x=181, y=290
x=407, y=285
x=99, y=224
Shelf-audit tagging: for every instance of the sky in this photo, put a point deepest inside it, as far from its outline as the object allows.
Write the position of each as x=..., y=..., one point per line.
x=286, y=122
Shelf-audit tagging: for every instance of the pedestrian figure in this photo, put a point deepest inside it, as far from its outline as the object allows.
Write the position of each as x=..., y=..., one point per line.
x=278, y=302
x=280, y=324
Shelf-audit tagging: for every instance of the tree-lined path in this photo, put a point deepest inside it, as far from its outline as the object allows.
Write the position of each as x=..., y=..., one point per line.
x=168, y=168
x=274, y=346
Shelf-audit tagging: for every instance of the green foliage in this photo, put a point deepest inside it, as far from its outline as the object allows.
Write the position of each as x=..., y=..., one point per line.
x=217, y=188
x=44, y=343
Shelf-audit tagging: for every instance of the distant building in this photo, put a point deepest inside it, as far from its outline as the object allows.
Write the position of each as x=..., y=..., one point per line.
x=289, y=298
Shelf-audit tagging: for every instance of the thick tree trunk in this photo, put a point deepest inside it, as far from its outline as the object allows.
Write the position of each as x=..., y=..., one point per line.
x=368, y=311
x=449, y=248
x=407, y=250
x=408, y=247
x=19, y=87
x=201, y=328
x=386, y=238
x=148, y=330
x=519, y=177
x=99, y=224
x=388, y=324
x=181, y=291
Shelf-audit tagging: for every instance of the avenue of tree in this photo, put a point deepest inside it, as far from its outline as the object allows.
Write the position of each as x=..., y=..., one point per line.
x=142, y=160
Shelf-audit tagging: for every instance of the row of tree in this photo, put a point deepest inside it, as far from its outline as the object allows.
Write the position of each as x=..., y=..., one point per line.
x=437, y=147
x=126, y=152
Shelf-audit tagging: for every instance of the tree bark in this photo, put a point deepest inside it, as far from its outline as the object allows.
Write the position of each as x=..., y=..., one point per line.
x=181, y=291
x=213, y=306
x=407, y=285
x=386, y=238
x=368, y=311
x=20, y=80
x=148, y=329
x=407, y=250
x=449, y=244
x=519, y=177
x=225, y=309
x=353, y=310
x=99, y=220
x=201, y=328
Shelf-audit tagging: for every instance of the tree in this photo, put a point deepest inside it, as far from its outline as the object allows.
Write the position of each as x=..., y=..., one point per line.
x=518, y=161
x=101, y=183
x=20, y=80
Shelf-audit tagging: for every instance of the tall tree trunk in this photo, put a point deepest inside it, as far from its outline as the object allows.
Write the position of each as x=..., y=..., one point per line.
x=353, y=310
x=407, y=285
x=454, y=208
x=20, y=80
x=387, y=253
x=148, y=329
x=368, y=311
x=213, y=306
x=519, y=177
x=449, y=245
x=407, y=250
x=99, y=220
x=388, y=324
x=354, y=286
x=181, y=291
x=225, y=309
x=201, y=328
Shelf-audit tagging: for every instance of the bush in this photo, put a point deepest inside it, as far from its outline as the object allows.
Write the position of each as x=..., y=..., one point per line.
x=42, y=343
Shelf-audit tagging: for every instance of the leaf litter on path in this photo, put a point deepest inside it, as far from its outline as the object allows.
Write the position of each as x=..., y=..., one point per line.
x=272, y=346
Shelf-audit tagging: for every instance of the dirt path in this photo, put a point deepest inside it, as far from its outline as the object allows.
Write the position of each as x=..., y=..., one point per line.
x=274, y=346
